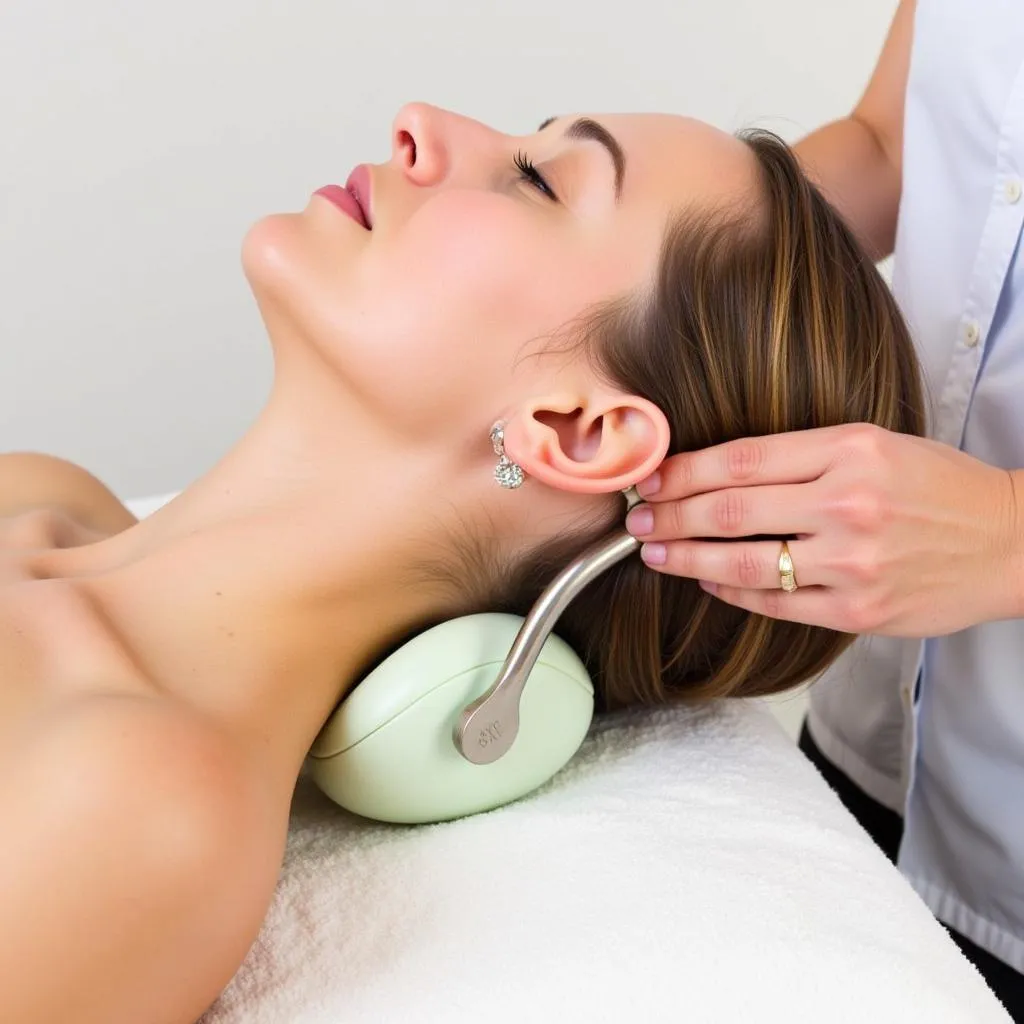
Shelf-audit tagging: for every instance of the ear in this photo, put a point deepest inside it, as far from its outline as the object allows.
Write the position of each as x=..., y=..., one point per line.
x=590, y=444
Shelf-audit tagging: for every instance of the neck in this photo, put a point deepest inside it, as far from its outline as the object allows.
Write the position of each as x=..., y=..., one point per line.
x=265, y=588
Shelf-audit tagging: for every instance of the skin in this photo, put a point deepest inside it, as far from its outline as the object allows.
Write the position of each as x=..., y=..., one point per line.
x=895, y=535
x=163, y=679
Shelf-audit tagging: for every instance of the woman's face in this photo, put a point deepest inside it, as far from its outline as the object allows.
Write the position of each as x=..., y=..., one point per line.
x=476, y=248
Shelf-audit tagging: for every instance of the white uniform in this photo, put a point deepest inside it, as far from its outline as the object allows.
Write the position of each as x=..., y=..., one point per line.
x=947, y=752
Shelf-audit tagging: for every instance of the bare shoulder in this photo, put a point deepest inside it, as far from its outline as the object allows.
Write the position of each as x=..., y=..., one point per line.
x=114, y=747
x=32, y=480
x=139, y=858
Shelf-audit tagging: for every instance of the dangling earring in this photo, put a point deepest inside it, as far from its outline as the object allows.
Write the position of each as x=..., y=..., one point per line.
x=506, y=472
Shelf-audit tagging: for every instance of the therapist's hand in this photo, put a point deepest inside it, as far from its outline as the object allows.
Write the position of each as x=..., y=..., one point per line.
x=893, y=534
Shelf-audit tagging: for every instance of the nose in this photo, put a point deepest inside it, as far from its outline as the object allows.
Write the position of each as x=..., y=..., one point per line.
x=426, y=140
x=418, y=143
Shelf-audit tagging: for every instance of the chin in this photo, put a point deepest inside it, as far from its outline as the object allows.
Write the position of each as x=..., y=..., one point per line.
x=295, y=285
x=271, y=249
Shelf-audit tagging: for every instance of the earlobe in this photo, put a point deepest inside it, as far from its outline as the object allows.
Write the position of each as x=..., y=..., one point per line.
x=596, y=444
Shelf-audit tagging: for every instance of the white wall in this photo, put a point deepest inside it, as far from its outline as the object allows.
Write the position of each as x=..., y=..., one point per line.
x=139, y=140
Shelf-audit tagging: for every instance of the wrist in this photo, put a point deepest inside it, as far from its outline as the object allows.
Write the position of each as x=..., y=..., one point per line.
x=1015, y=545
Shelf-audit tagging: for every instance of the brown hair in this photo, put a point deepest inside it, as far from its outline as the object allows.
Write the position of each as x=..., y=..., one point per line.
x=773, y=320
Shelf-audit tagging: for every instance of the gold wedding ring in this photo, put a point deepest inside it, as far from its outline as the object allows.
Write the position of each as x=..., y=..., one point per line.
x=787, y=578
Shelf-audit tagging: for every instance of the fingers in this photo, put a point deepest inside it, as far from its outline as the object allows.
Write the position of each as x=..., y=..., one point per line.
x=796, y=457
x=815, y=606
x=747, y=565
x=746, y=574
x=786, y=510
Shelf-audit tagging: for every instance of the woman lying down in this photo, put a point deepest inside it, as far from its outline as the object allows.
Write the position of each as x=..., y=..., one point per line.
x=611, y=289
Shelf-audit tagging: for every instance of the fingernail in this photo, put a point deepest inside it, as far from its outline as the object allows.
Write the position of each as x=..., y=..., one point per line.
x=640, y=521
x=649, y=486
x=711, y=588
x=653, y=554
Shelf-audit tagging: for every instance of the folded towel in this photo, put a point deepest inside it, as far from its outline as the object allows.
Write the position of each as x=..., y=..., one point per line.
x=688, y=865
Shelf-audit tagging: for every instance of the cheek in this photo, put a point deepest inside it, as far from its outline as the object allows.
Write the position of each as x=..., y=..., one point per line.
x=469, y=283
x=469, y=261
x=453, y=297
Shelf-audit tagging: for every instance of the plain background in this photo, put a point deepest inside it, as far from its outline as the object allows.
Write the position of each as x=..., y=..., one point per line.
x=138, y=141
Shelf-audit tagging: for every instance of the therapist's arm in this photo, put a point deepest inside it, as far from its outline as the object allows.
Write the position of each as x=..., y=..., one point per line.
x=857, y=161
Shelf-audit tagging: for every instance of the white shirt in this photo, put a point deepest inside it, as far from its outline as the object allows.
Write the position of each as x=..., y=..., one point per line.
x=948, y=753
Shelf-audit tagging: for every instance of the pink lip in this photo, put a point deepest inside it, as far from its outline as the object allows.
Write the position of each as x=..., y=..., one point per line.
x=360, y=185
x=354, y=198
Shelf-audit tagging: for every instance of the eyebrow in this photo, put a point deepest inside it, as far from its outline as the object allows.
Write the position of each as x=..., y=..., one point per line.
x=586, y=129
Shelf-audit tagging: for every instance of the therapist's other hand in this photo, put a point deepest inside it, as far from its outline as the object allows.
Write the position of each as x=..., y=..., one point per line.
x=893, y=534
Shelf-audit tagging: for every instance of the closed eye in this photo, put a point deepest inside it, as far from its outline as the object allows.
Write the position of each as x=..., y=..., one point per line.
x=530, y=174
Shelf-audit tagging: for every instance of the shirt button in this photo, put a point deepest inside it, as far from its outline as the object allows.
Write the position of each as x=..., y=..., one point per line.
x=1012, y=190
x=971, y=333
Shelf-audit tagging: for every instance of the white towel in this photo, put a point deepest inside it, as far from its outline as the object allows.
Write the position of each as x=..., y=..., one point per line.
x=686, y=866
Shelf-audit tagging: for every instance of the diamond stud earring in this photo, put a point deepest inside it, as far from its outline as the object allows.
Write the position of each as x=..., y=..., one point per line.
x=506, y=472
